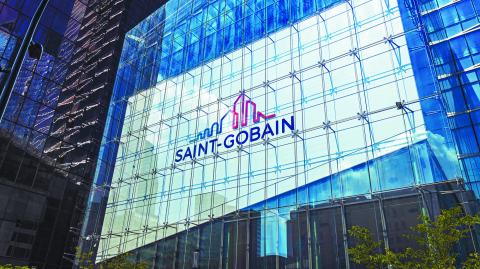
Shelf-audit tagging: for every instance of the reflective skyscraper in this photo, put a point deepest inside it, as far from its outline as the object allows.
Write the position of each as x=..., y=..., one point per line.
x=50, y=136
x=254, y=134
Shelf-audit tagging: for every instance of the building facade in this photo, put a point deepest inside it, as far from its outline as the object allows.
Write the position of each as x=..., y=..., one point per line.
x=38, y=201
x=51, y=133
x=253, y=134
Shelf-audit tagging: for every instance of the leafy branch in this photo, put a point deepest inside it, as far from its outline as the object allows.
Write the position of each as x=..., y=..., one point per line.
x=435, y=240
x=122, y=261
x=9, y=266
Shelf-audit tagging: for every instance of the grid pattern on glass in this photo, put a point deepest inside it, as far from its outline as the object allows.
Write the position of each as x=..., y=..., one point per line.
x=33, y=103
x=37, y=202
x=339, y=73
x=452, y=31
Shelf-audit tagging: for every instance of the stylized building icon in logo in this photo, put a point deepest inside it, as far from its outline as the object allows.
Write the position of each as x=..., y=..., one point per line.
x=240, y=114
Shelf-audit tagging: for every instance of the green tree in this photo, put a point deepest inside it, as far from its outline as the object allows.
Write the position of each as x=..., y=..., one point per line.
x=435, y=240
x=9, y=266
x=122, y=261
x=85, y=259
x=473, y=261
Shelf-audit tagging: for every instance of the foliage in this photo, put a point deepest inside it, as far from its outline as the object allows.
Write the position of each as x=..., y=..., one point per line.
x=435, y=240
x=366, y=251
x=9, y=266
x=122, y=261
x=85, y=259
x=473, y=261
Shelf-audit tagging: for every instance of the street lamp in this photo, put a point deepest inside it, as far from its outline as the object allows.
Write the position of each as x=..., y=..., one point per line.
x=35, y=50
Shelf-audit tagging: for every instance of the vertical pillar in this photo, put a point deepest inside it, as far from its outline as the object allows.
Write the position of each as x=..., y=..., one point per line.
x=384, y=225
x=344, y=232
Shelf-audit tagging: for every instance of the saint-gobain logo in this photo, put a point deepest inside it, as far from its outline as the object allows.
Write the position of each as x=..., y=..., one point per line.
x=243, y=108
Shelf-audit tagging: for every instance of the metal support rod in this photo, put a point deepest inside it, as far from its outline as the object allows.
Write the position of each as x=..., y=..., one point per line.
x=344, y=234
x=19, y=57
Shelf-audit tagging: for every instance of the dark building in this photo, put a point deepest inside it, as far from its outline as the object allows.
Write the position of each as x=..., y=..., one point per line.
x=39, y=201
x=51, y=133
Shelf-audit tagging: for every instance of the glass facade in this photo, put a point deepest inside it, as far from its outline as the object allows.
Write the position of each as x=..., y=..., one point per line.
x=37, y=202
x=451, y=30
x=53, y=124
x=252, y=134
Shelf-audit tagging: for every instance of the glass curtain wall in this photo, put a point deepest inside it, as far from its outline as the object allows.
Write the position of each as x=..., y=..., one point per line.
x=451, y=33
x=37, y=203
x=342, y=106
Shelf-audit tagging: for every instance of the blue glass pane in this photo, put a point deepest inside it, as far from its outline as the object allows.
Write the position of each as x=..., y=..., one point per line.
x=465, y=144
